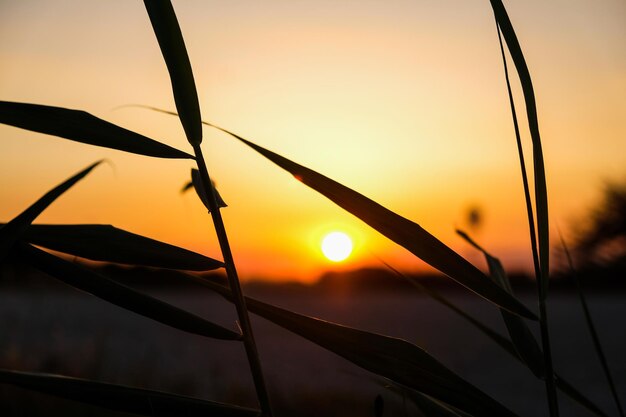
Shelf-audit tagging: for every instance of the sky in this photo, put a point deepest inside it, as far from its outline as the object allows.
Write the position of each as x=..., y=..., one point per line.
x=403, y=101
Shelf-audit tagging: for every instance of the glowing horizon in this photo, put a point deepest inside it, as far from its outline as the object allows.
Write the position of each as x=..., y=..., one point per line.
x=405, y=103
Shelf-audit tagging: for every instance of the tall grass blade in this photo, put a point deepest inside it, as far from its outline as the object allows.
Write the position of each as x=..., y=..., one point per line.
x=174, y=52
x=13, y=230
x=82, y=127
x=592, y=328
x=521, y=336
x=252, y=353
x=109, y=244
x=541, y=194
x=169, y=36
x=400, y=230
x=121, y=295
x=121, y=398
x=392, y=358
x=520, y=152
x=541, y=260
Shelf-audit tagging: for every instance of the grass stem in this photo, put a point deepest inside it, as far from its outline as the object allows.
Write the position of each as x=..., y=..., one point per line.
x=543, y=313
x=233, y=282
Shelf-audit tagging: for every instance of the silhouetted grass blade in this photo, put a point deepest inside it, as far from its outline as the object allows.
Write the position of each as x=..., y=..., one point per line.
x=392, y=358
x=122, y=398
x=109, y=244
x=541, y=193
x=400, y=230
x=523, y=339
x=13, y=230
x=172, y=46
x=121, y=295
x=82, y=127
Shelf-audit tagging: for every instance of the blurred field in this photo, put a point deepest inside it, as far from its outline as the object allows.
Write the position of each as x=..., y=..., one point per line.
x=76, y=334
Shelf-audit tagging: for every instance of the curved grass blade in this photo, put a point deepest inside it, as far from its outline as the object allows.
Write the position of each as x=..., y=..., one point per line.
x=13, y=230
x=109, y=244
x=172, y=46
x=121, y=398
x=592, y=328
x=82, y=127
x=392, y=358
x=121, y=295
x=523, y=339
x=404, y=232
x=541, y=193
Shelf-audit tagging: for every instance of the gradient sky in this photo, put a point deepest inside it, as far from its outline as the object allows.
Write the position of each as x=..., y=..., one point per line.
x=403, y=101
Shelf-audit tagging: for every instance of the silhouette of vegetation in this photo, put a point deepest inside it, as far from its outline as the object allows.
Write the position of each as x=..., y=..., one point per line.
x=403, y=364
x=602, y=241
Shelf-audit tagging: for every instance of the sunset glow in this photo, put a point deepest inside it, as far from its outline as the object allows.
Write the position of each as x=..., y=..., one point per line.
x=402, y=101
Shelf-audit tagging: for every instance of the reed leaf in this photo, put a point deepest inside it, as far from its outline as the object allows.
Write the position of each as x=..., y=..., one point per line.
x=172, y=46
x=13, y=230
x=392, y=358
x=121, y=295
x=523, y=339
x=82, y=127
x=109, y=244
x=121, y=398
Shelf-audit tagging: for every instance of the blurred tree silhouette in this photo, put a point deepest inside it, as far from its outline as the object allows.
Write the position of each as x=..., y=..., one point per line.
x=602, y=242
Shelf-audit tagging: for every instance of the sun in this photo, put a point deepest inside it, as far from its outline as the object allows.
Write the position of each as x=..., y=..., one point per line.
x=336, y=246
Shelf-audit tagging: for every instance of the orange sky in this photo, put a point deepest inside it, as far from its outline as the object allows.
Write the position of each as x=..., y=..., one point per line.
x=403, y=101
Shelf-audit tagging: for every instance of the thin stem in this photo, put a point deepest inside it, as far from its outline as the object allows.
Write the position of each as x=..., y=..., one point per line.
x=543, y=314
x=592, y=328
x=233, y=281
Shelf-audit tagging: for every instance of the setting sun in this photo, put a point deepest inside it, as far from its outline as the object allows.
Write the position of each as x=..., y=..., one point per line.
x=336, y=246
